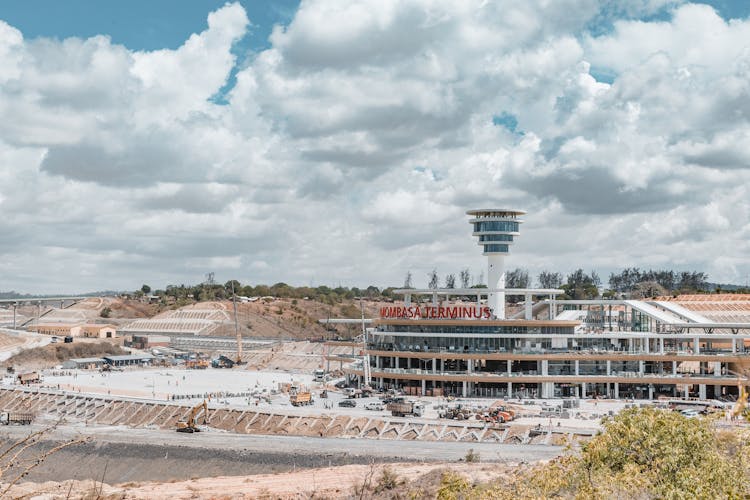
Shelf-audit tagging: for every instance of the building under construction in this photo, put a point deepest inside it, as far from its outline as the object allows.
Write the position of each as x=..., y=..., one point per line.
x=460, y=341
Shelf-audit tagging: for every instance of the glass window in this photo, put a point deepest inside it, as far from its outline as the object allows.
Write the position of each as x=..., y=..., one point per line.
x=496, y=225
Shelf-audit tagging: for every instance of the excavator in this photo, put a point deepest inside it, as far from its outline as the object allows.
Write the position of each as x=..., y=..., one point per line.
x=189, y=425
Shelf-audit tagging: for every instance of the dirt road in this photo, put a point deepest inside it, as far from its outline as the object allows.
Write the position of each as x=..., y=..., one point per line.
x=158, y=455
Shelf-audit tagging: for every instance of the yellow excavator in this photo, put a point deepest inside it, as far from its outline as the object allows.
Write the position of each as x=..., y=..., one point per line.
x=189, y=425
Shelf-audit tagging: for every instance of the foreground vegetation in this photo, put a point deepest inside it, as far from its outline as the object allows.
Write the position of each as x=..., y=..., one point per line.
x=641, y=453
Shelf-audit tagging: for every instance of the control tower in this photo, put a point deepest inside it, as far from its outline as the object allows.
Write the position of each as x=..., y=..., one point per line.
x=496, y=228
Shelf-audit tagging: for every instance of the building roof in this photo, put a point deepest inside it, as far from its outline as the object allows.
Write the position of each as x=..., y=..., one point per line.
x=62, y=325
x=129, y=357
x=97, y=325
x=87, y=360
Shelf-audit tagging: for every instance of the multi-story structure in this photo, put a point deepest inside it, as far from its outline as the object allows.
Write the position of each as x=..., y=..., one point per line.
x=460, y=342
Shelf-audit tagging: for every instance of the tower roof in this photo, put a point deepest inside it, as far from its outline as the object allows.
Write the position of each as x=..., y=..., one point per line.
x=498, y=211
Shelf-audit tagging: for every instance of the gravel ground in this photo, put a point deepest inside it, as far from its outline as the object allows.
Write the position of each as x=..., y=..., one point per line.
x=123, y=454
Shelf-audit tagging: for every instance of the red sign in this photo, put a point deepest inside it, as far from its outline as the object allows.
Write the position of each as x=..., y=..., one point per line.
x=430, y=312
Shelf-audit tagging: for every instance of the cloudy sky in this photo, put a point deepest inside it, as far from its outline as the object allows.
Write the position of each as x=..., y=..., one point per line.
x=336, y=142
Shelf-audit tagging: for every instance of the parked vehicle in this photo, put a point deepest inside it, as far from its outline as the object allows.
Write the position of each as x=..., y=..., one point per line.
x=301, y=398
x=14, y=417
x=402, y=407
x=375, y=406
x=347, y=403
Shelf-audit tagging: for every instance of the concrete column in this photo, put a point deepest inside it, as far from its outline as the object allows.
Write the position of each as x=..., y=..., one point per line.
x=702, y=391
x=609, y=367
x=545, y=367
x=650, y=391
x=674, y=367
x=717, y=368
x=583, y=390
x=734, y=346
x=577, y=366
x=527, y=307
x=424, y=387
x=434, y=365
x=380, y=380
x=696, y=345
x=661, y=346
x=510, y=389
x=646, y=345
x=469, y=365
x=408, y=363
x=641, y=367
x=687, y=391
x=510, y=367
x=463, y=389
x=548, y=390
x=617, y=390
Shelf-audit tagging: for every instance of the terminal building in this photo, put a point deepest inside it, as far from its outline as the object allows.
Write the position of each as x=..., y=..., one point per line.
x=461, y=342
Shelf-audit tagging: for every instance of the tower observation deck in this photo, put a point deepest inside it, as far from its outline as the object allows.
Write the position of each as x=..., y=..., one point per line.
x=495, y=229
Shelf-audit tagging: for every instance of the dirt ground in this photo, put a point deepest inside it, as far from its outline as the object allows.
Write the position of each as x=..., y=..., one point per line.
x=54, y=354
x=408, y=480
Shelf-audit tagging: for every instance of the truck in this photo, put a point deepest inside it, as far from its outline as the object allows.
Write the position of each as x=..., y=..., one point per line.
x=301, y=398
x=196, y=364
x=402, y=407
x=15, y=417
x=222, y=362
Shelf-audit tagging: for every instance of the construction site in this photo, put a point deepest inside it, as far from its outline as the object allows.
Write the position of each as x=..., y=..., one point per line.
x=239, y=382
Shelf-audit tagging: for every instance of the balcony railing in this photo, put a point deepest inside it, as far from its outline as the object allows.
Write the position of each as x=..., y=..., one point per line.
x=573, y=351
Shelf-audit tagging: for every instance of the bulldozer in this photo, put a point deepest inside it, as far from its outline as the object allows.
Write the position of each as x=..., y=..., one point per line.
x=189, y=426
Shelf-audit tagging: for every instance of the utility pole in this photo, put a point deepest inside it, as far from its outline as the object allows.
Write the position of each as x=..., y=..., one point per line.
x=365, y=356
x=236, y=327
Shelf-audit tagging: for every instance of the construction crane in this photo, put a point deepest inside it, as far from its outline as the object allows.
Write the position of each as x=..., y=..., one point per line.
x=189, y=424
x=237, y=328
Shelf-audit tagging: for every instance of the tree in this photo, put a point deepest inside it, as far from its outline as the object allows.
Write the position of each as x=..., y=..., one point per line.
x=465, y=277
x=549, y=279
x=450, y=281
x=581, y=285
x=232, y=285
x=407, y=280
x=434, y=281
x=480, y=279
x=517, y=278
x=146, y=289
x=646, y=289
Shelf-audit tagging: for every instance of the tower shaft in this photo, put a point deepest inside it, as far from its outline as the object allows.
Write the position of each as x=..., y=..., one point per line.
x=496, y=280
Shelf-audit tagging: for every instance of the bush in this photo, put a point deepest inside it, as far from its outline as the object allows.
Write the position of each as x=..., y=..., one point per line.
x=471, y=457
x=388, y=480
x=641, y=453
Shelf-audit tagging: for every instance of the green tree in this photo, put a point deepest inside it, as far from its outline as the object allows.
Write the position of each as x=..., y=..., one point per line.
x=146, y=289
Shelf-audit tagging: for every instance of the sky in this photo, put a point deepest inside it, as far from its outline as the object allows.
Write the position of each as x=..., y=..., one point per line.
x=337, y=143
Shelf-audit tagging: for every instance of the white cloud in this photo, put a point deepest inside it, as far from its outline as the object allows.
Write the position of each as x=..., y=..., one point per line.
x=351, y=147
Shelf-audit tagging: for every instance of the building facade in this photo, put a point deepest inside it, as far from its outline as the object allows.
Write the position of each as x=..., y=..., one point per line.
x=463, y=342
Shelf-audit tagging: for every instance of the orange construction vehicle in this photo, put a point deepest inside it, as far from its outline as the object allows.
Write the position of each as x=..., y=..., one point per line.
x=189, y=425
x=196, y=364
